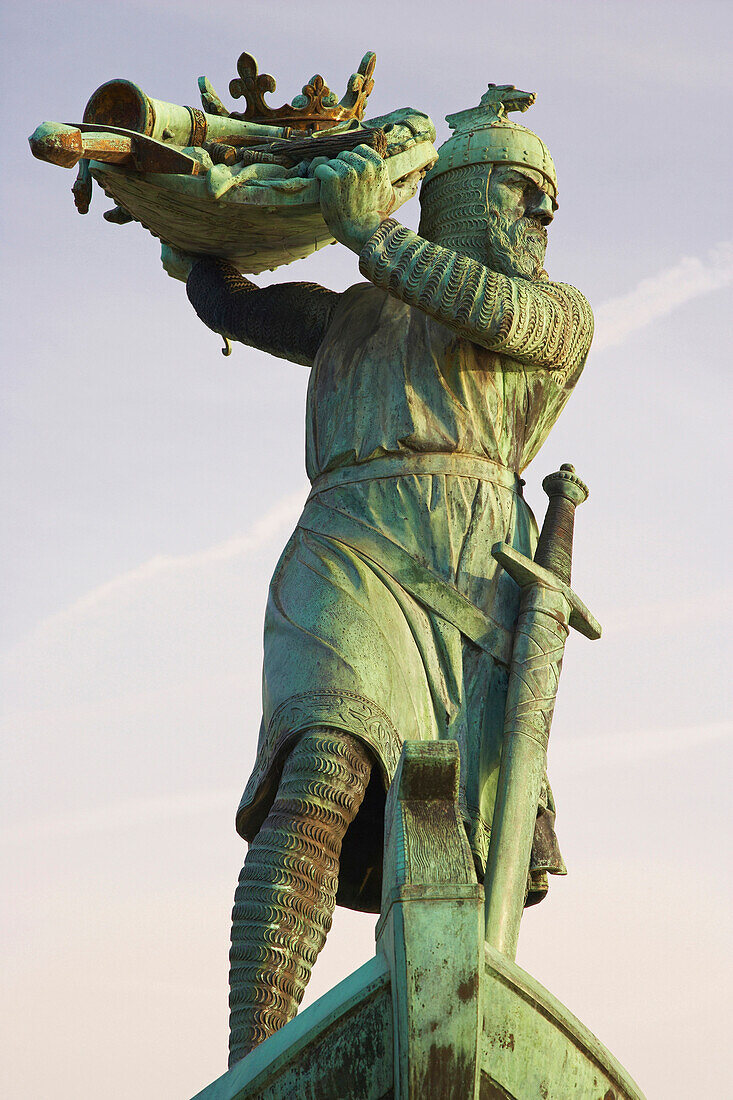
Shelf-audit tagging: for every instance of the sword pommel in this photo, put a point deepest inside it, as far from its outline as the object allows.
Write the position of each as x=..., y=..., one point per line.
x=555, y=547
x=553, y=559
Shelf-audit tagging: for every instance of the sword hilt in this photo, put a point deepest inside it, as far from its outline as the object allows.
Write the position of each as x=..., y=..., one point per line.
x=552, y=562
x=555, y=546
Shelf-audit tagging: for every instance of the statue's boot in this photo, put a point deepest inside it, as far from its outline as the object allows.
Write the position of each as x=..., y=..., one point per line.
x=284, y=902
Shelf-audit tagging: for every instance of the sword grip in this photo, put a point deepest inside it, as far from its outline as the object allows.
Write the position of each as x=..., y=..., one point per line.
x=555, y=546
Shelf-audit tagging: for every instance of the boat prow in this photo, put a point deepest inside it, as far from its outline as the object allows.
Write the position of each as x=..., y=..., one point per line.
x=436, y=1014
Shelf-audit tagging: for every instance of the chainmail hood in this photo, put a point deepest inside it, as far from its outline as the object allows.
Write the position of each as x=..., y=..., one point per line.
x=454, y=194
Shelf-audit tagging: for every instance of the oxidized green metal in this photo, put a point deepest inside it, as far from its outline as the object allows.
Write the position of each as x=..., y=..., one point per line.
x=436, y=1014
x=432, y=387
x=397, y=646
x=284, y=903
x=484, y=135
x=547, y=611
x=227, y=184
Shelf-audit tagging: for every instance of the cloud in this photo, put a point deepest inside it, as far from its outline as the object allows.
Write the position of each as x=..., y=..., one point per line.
x=280, y=518
x=179, y=616
x=176, y=617
x=173, y=622
x=660, y=294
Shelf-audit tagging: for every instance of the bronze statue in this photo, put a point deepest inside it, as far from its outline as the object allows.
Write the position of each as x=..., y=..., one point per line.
x=433, y=385
x=417, y=621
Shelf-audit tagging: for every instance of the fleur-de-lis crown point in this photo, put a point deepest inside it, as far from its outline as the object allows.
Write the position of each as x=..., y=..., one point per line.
x=316, y=108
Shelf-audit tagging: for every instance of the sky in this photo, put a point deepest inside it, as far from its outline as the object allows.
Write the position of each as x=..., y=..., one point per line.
x=149, y=485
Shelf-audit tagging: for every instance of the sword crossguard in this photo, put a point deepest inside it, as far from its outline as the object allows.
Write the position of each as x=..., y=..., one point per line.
x=527, y=573
x=551, y=567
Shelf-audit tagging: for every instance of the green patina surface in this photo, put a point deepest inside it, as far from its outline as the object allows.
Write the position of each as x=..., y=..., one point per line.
x=547, y=610
x=415, y=627
x=258, y=217
x=437, y=1013
x=246, y=208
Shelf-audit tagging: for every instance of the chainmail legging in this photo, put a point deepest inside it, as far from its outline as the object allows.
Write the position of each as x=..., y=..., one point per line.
x=284, y=902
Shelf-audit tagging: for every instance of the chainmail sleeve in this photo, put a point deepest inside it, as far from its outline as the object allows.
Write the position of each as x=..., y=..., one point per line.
x=540, y=324
x=288, y=320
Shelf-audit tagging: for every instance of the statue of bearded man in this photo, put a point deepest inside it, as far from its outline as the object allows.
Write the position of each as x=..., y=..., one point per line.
x=433, y=385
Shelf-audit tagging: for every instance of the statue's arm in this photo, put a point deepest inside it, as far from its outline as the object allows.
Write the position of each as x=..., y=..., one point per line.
x=285, y=319
x=540, y=324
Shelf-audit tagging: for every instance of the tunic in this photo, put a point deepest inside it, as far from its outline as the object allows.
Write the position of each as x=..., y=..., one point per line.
x=439, y=428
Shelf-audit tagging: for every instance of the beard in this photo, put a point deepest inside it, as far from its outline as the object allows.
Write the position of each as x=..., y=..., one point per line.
x=516, y=249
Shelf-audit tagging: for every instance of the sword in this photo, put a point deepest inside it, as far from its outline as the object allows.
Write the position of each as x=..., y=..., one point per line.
x=548, y=609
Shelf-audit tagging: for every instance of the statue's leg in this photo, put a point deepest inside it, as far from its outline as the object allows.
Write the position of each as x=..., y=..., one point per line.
x=284, y=902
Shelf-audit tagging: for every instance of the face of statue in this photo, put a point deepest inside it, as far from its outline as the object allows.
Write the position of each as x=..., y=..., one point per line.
x=520, y=209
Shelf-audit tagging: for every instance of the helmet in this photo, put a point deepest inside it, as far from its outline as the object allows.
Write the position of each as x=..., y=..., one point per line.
x=484, y=135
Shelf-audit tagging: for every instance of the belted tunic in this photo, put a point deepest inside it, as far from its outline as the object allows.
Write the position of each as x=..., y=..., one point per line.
x=387, y=615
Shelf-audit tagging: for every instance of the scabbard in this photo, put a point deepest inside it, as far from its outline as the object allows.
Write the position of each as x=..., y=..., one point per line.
x=539, y=644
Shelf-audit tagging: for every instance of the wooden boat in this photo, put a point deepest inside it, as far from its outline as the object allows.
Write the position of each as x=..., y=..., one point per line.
x=437, y=1013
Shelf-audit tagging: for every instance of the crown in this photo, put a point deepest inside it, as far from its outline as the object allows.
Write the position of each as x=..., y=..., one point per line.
x=315, y=109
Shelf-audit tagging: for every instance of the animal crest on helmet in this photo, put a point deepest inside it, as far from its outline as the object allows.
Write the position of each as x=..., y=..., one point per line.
x=485, y=135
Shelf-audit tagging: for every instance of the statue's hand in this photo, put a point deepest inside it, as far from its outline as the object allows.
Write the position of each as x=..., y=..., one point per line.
x=177, y=264
x=356, y=195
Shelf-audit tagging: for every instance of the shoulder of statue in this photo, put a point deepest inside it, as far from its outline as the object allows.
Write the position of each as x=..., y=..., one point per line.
x=362, y=296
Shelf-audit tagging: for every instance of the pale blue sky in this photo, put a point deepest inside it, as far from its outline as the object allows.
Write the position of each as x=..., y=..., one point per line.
x=149, y=485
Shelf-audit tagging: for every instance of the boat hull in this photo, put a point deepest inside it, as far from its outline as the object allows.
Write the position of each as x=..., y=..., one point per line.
x=258, y=225
x=437, y=1013
x=342, y=1047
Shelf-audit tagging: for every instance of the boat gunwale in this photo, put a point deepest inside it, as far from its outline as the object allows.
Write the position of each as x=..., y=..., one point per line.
x=542, y=1001
x=283, y=1048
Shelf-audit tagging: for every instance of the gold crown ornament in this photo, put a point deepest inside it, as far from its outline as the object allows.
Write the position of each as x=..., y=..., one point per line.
x=316, y=108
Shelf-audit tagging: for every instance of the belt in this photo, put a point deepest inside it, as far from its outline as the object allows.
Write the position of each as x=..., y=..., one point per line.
x=425, y=464
x=434, y=593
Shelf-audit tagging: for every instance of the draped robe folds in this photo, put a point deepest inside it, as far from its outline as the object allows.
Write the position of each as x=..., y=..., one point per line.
x=345, y=643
